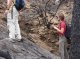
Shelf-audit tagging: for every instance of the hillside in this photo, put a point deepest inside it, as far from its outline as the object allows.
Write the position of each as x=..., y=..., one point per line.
x=35, y=44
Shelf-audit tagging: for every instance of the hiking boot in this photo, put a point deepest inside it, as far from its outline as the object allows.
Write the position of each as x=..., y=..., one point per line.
x=20, y=40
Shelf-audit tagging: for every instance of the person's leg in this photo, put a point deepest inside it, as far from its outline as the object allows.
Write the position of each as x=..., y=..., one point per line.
x=18, y=33
x=17, y=28
x=61, y=48
x=10, y=25
x=66, y=54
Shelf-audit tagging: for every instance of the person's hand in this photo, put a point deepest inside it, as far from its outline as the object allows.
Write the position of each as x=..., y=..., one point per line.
x=53, y=26
x=6, y=12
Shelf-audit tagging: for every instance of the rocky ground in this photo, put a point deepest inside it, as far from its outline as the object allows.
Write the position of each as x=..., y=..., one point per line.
x=35, y=44
x=40, y=34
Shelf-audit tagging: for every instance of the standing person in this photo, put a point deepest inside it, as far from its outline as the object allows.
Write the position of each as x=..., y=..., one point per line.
x=62, y=40
x=13, y=10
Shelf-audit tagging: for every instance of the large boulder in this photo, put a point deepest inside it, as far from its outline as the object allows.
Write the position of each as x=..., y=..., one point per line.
x=23, y=50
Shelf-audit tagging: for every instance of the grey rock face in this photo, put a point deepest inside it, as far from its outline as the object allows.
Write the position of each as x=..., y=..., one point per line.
x=23, y=50
x=20, y=50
